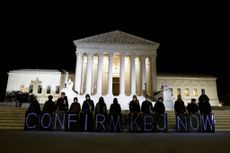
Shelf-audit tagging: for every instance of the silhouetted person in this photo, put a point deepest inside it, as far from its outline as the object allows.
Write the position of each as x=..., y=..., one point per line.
x=115, y=116
x=134, y=106
x=179, y=106
x=101, y=107
x=88, y=105
x=75, y=106
x=192, y=107
x=204, y=105
x=87, y=114
x=146, y=106
x=159, y=106
x=34, y=106
x=62, y=103
x=49, y=105
x=19, y=99
x=115, y=108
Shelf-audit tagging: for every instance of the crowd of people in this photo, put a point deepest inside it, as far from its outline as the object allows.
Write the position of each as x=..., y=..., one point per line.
x=203, y=106
x=88, y=107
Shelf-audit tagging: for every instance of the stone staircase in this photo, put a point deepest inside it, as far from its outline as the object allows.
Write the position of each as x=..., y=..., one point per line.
x=12, y=117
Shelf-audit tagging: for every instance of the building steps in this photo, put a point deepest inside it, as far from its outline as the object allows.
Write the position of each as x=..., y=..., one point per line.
x=13, y=118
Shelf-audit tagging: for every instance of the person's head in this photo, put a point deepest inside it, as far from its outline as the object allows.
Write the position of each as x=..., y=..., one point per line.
x=101, y=100
x=62, y=94
x=75, y=99
x=202, y=91
x=146, y=97
x=179, y=97
x=160, y=99
x=87, y=97
x=193, y=100
x=50, y=97
x=115, y=101
x=134, y=97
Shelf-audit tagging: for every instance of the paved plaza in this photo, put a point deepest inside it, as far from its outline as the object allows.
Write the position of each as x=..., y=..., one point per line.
x=82, y=142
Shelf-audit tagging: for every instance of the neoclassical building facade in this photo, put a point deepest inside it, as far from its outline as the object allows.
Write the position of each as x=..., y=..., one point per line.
x=118, y=64
x=115, y=64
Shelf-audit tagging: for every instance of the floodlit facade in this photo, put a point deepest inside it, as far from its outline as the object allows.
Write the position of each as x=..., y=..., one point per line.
x=112, y=64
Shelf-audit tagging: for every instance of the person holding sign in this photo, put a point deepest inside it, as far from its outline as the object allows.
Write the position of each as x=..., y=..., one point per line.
x=49, y=105
x=159, y=106
x=62, y=103
x=146, y=106
x=179, y=106
x=87, y=114
x=75, y=106
x=192, y=107
x=204, y=105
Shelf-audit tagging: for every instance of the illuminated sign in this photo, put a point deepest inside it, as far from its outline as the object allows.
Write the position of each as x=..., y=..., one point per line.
x=61, y=121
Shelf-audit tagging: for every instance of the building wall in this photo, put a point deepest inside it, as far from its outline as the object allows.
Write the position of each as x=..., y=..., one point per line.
x=23, y=79
x=190, y=87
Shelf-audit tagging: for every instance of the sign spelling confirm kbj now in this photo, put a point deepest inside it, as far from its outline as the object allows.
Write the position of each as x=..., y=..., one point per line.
x=61, y=121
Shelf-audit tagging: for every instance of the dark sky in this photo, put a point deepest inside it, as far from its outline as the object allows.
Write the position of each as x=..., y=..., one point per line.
x=191, y=35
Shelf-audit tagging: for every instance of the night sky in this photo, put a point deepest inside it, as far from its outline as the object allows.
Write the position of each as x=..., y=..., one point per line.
x=191, y=35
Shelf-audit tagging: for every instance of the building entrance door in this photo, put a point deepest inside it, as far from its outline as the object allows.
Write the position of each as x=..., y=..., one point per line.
x=116, y=86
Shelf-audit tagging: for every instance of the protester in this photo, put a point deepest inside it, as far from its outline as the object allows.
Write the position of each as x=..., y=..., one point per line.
x=179, y=106
x=204, y=105
x=147, y=106
x=49, y=105
x=192, y=107
x=134, y=106
x=75, y=106
x=101, y=107
x=62, y=103
x=159, y=106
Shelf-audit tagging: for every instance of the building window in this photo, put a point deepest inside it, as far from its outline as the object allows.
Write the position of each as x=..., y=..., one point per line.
x=195, y=92
x=171, y=90
x=57, y=89
x=31, y=89
x=39, y=89
x=178, y=91
x=186, y=92
x=48, y=90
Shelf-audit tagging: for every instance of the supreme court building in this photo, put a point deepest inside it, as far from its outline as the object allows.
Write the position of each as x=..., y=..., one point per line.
x=113, y=64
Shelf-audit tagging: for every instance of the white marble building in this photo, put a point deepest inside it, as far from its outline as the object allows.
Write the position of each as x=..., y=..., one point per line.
x=113, y=64
x=40, y=82
x=189, y=87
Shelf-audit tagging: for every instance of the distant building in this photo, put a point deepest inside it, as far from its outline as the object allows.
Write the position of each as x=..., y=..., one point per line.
x=112, y=64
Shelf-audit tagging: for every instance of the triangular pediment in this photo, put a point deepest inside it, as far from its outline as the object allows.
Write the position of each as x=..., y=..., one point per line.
x=115, y=37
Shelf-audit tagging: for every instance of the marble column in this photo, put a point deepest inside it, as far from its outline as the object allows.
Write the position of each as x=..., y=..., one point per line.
x=133, y=75
x=154, y=73
x=110, y=75
x=78, y=72
x=143, y=76
x=99, y=74
x=89, y=74
x=122, y=75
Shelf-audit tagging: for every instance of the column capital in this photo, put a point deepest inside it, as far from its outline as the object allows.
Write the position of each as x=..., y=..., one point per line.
x=90, y=53
x=110, y=54
x=100, y=54
x=78, y=52
x=123, y=54
x=133, y=55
